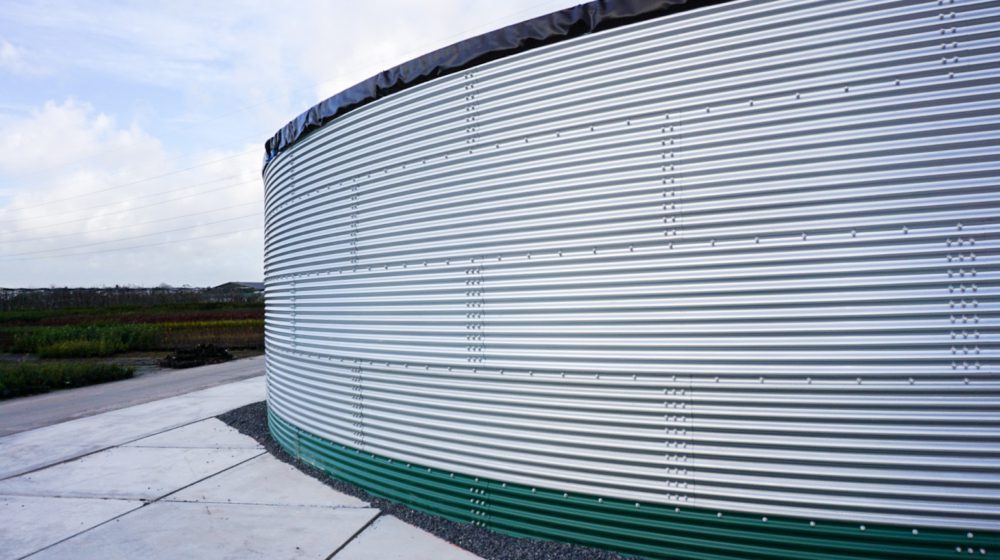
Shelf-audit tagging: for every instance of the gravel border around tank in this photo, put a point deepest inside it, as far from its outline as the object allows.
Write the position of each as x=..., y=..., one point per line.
x=251, y=420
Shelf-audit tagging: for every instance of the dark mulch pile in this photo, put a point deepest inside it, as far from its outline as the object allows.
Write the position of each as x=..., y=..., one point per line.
x=251, y=420
x=200, y=355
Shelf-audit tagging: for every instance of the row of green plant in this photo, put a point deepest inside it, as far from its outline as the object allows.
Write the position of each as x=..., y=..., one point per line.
x=83, y=341
x=224, y=324
x=19, y=378
x=133, y=314
x=245, y=336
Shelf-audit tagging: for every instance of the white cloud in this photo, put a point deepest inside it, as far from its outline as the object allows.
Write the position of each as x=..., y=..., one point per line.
x=69, y=204
x=9, y=54
x=278, y=57
x=60, y=133
x=12, y=57
x=169, y=85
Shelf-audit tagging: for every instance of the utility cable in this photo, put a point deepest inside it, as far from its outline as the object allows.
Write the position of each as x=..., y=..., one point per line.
x=137, y=224
x=129, y=199
x=134, y=208
x=419, y=50
x=154, y=234
x=171, y=242
x=132, y=183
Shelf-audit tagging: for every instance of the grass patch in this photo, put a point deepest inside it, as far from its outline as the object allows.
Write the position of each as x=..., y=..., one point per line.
x=20, y=379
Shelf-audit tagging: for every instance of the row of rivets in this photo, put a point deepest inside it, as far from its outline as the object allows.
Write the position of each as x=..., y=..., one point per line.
x=357, y=395
x=474, y=304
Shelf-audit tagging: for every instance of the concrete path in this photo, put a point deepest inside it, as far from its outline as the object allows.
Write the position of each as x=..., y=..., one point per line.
x=28, y=413
x=167, y=480
x=28, y=451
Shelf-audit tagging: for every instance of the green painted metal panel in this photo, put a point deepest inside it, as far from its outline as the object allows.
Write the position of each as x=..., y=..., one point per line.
x=642, y=529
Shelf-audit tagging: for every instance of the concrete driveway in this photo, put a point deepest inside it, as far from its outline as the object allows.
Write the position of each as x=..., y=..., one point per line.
x=28, y=413
x=165, y=479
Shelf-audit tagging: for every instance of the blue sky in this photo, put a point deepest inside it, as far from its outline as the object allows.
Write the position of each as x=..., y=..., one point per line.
x=131, y=133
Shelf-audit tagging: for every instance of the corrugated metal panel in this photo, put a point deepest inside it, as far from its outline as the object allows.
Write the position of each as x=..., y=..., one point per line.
x=742, y=259
x=649, y=530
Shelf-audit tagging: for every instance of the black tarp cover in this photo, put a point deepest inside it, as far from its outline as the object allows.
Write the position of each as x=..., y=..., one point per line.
x=526, y=35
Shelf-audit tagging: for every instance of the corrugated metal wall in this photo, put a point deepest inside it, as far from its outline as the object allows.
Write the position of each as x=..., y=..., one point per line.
x=741, y=259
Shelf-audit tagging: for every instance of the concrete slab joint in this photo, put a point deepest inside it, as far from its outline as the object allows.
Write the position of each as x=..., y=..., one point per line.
x=165, y=479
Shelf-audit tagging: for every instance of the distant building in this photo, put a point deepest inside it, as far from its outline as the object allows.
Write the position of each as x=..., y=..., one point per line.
x=236, y=292
x=239, y=287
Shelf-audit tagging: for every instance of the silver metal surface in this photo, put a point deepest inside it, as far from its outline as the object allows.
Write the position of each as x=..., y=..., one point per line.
x=743, y=258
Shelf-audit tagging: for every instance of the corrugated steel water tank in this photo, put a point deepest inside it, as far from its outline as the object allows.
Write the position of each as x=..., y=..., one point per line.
x=717, y=283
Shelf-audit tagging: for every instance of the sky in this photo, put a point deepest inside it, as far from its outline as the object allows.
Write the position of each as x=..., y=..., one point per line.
x=132, y=133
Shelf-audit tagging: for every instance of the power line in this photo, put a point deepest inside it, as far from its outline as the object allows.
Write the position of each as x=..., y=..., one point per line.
x=119, y=201
x=133, y=208
x=422, y=48
x=144, y=246
x=75, y=233
x=120, y=239
x=132, y=183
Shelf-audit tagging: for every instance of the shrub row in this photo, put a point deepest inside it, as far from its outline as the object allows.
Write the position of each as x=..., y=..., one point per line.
x=72, y=341
x=247, y=337
x=19, y=379
x=131, y=315
x=82, y=341
x=217, y=324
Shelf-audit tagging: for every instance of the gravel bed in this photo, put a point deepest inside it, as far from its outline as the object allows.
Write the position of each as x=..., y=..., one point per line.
x=251, y=420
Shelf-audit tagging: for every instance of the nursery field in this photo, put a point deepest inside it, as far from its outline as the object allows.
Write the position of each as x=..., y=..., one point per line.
x=41, y=350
